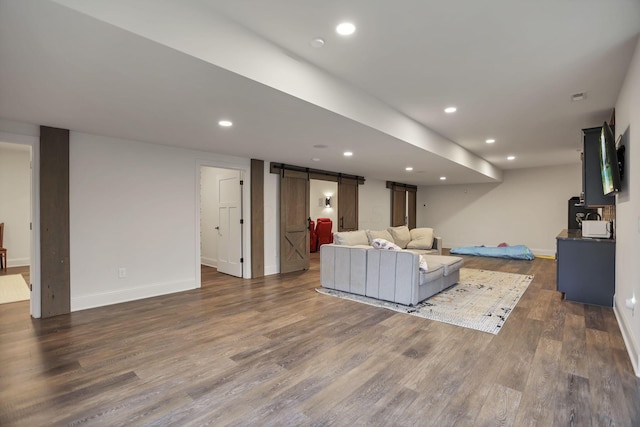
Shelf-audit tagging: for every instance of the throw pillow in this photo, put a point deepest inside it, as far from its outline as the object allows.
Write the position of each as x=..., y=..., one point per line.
x=401, y=235
x=389, y=246
x=421, y=238
x=351, y=238
x=385, y=245
x=381, y=234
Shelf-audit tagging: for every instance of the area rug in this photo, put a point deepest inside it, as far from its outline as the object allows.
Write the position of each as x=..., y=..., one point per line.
x=482, y=300
x=13, y=288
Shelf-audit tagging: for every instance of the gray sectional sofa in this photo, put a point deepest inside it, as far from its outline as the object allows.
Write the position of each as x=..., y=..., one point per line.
x=393, y=276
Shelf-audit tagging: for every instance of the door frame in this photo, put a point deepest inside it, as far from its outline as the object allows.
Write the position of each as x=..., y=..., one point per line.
x=245, y=175
x=35, y=298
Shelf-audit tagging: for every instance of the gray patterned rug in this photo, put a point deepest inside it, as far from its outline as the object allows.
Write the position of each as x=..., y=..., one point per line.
x=482, y=300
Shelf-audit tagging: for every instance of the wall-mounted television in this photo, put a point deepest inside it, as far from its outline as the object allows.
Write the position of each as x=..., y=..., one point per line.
x=609, y=161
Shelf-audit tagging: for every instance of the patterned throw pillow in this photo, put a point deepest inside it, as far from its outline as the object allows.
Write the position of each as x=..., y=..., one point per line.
x=385, y=244
x=388, y=246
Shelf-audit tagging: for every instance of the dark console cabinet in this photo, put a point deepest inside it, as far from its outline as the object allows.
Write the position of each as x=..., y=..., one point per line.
x=591, y=176
x=586, y=268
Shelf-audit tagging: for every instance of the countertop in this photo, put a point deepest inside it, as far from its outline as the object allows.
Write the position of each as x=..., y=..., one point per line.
x=577, y=235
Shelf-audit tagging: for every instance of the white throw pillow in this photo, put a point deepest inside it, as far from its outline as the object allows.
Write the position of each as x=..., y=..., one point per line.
x=351, y=238
x=389, y=246
x=385, y=244
x=401, y=235
x=421, y=238
x=379, y=234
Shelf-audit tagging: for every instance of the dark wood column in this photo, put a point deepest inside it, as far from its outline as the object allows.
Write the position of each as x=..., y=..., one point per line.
x=54, y=221
x=257, y=218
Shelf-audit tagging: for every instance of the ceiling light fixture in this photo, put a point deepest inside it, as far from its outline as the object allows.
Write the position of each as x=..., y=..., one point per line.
x=450, y=110
x=315, y=159
x=443, y=178
x=346, y=29
x=348, y=153
x=408, y=168
x=490, y=141
x=225, y=123
x=511, y=158
x=578, y=96
x=317, y=42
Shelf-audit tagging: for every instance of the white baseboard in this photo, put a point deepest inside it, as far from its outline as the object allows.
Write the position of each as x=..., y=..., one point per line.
x=544, y=252
x=271, y=269
x=632, y=347
x=124, y=295
x=209, y=262
x=18, y=262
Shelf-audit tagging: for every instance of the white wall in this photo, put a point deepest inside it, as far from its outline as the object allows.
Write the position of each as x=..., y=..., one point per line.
x=374, y=208
x=134, y=205
x=318, y=190
x=15, y=202
x=529, y=207
x=628, y=212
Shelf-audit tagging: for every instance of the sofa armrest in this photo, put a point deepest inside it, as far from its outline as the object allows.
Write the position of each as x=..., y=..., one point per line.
x=437, y=244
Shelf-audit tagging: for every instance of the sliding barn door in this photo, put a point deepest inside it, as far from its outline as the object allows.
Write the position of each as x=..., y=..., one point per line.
x=403, y=204
x=347, y=204
x=411, y=208
x=294, y=221
x=398, y=206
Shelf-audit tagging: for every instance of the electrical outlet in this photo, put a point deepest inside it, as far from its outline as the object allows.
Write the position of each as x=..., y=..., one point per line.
x=122, y=272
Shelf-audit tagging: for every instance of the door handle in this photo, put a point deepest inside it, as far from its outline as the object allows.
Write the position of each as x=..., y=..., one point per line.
x=341, y=222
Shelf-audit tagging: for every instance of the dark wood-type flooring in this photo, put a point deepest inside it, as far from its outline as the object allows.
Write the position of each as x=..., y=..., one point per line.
x=272, y=351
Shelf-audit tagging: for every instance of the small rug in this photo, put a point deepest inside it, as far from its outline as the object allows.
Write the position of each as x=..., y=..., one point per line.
x=482, y=300
x=13, y=288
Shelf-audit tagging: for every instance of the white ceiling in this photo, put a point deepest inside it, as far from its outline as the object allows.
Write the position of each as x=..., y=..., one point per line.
x=165, y=72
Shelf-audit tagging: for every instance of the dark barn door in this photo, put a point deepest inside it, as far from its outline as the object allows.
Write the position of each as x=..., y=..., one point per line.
x=294, y=221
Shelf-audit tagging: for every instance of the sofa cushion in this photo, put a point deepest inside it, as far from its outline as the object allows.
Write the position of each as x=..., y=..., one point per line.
x=434, y=272
x=450, y=263
x=351, y=238
x=379, y=234
x=401, y=235
x=421, y=238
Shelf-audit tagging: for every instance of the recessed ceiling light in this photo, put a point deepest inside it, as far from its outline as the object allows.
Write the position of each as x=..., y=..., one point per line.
x=450, y=110
x=408, y=168
x=315, y=159
x=348, y=154
x=225, y=123
x=345, y=29
x=578, y=96
x=443, y=178
x=317, y=42
x=490, y=141
x=511, y=158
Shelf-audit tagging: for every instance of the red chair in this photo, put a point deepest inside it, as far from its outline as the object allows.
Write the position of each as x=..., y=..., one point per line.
x=313, y=237
x=323, y=231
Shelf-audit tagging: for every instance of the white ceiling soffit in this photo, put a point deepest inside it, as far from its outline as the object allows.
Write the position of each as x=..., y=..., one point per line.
x=195, y=28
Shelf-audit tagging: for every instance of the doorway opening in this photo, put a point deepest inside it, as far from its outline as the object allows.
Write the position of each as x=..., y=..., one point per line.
x=221, y=219
x=17, y=186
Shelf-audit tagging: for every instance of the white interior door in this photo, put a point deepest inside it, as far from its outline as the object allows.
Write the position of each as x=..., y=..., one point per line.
x=229, y=227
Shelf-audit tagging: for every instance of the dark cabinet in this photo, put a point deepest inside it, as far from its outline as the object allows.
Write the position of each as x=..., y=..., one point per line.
x=591, y=177
x=586, y=268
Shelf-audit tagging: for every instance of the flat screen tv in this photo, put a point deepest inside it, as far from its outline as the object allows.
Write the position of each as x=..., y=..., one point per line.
x=609, y=161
